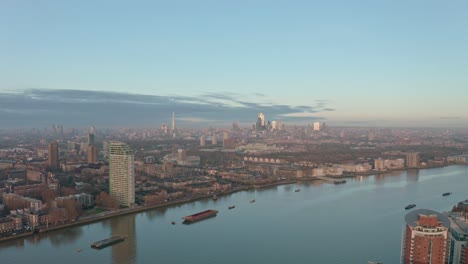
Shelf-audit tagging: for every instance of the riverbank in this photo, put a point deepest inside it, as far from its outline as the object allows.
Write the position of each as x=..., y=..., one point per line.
x=110, y=214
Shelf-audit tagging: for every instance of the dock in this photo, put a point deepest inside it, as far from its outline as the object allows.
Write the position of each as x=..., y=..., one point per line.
x=332, y=180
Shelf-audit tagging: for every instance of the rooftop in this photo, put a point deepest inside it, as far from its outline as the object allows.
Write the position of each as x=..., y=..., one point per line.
x=412, y=217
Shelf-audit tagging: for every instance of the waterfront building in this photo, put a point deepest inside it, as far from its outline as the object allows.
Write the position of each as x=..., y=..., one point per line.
x=122, y=173
x=53, y=158
x=379, y=164
x=425, y=238
x=412, y=160
x=92, y=154
x=458, y=239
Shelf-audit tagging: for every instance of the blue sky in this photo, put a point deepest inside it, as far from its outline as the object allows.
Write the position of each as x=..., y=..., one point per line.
x=368, y=62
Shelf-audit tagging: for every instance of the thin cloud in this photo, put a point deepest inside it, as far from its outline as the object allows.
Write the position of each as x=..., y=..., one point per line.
x=43, y=107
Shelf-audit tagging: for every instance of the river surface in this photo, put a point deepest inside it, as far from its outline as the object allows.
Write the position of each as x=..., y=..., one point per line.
x=323, y=223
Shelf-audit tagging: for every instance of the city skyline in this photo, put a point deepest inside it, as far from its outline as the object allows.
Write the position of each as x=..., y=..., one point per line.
x=372, y=63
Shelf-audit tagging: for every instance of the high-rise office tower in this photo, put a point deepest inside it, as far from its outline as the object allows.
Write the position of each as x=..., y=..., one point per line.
x=425, y=238
x=92, y=154
x=53, y=159
x=214, y=139
x=173, y=122
x=412, y=160
x=121, y=173
x=202, y=141
x=261, y=116
x=317, y=126
x=90, y=139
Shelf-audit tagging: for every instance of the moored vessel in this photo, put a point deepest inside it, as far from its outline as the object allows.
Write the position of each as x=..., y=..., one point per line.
x=200, y=216
x=231, y=207
x=297, y=190
x=410, y=206
x=107, y=242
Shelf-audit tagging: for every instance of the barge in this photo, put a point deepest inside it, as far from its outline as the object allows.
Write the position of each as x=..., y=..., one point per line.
x=200, y=216
x=107, y=242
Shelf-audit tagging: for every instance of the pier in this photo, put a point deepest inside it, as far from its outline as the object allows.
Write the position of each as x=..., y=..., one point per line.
x=332, y=180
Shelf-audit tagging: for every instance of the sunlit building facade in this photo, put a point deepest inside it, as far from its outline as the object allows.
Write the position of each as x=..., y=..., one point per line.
x=122, y=173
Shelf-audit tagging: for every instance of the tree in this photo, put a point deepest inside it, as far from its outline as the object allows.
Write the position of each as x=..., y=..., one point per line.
x=107, y=201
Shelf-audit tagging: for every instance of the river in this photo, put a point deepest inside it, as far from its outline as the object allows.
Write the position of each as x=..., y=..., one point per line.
x=323, y=223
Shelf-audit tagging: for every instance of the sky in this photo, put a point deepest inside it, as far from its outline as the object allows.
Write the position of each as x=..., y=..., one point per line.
x=355, y=63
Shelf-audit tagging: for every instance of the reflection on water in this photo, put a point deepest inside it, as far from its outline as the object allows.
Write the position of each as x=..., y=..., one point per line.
x=124, y=252
x=300, y=221
x=412, y=175
x=62, y=237
x=153, y=214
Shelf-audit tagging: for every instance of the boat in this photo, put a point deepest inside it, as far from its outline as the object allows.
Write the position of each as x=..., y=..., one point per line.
x=173, y=222
x=200, y=216
x=78, y=250
x=253, y=201
x=446, y=194
x=231, y=207
x=410, y=206
x=107, y=242
x=297, y=190
x=215, y=197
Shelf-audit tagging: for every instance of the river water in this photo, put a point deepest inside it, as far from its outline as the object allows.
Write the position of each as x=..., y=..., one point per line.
x=323, y=223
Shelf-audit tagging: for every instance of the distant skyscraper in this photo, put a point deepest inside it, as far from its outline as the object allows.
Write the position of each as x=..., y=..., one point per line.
x=121, y=173
x=274, y=125
x=426, y=238
x=173, y=122
x=53, y=159
x=214, y=139
x=92, y=130
x=202, y=141
x=227, y=141
x=317, y=126
x=261, y=116
x=92, y=154
x=412, y=160
x=90, y=139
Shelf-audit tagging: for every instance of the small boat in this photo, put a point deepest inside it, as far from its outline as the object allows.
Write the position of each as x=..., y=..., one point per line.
x=78, y=250
x=231, y=207
x=297, y=190
x=253, y=201
x=446, y=194
x=215, y=197
x=410, y=206
x=173, y=222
